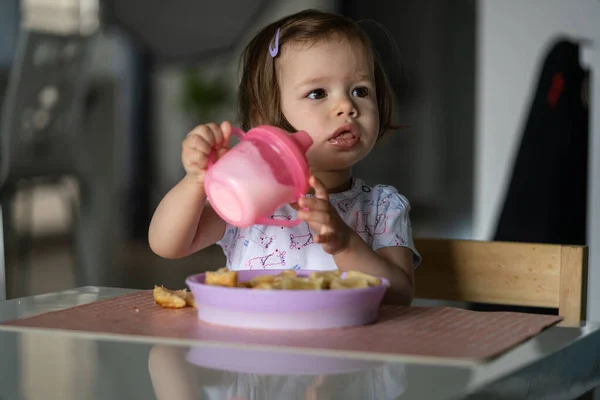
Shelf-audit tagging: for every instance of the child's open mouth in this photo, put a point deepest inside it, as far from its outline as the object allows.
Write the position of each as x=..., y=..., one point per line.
x=345, y=137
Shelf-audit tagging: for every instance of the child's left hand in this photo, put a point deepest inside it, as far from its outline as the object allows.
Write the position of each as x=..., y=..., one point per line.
x=322, y=218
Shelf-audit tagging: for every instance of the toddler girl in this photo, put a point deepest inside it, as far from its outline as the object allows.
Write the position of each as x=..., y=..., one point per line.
x=316, y=72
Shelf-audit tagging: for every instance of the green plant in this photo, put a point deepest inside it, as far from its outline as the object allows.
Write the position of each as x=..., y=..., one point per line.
x=203, y=97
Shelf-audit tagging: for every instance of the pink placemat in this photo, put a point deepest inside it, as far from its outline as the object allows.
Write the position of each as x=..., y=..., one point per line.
x=440, y=332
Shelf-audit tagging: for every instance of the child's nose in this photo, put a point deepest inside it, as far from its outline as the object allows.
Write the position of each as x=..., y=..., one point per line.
x=346, y=107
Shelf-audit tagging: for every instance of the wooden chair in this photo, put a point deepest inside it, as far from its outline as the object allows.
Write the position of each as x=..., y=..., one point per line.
x=515, y=274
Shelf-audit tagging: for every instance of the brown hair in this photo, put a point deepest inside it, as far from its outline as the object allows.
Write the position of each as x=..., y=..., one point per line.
x=258, y=96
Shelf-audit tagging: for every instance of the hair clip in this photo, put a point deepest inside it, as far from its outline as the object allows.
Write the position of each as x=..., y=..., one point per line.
x=275, y=50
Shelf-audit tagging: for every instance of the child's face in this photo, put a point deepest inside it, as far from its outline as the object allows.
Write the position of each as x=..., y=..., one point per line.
x=328, y=90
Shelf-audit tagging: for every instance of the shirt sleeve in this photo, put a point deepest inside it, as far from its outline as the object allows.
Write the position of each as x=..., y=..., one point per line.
x=393, y=227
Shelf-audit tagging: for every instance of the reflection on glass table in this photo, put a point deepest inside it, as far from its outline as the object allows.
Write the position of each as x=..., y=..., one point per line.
x=237, y=373
x=52, y=365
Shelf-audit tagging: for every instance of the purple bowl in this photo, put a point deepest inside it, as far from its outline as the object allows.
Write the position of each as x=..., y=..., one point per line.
x=285, y=309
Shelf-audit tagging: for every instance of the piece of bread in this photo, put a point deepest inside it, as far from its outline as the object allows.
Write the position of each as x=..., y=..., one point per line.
x=173, y=298
x=324, y=278
x=167, y=298
x=288, y=272
x=221, y=277
x=349, y=283
x=264, y=286
x=294, y=283
x=373, y=281
x=187, y=296
x=262, y=279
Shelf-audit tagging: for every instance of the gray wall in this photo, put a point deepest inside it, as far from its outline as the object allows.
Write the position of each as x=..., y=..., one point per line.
x=431, y=162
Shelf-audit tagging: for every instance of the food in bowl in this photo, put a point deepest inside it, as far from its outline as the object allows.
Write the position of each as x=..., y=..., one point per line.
x=285, y=280
x=289, y=280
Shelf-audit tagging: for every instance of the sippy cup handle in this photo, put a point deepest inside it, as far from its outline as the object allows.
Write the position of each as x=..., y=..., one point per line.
x=278, y=222
x=235, y=132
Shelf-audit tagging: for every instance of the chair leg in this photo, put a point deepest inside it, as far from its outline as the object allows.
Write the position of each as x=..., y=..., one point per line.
x=8, y=242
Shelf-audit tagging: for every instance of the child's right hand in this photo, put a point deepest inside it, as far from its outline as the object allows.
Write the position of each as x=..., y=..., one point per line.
x=198, y=145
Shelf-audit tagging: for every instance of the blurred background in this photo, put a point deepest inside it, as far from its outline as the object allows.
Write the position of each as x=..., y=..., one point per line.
x=503, y=136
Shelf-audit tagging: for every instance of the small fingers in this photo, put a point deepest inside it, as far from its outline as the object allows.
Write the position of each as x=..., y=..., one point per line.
x=325, y=237
x=315, y=217
x=320, y=189
x=315, y=204
x=226, y=131
x=197, y=143
x=217, y=135
x=201, y=142
x=210, y=134
x=193, y=156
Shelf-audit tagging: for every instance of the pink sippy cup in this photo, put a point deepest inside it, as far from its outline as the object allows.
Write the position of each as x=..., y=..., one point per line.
x=266, y=170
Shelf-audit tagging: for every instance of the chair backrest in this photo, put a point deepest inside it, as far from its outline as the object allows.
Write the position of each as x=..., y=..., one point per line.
x=517, y=274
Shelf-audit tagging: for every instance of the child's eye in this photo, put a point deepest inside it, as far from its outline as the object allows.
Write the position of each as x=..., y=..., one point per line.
x=361, y=92
x=316, y=94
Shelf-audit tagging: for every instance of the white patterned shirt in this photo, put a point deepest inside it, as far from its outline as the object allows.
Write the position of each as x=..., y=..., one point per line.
x=379, y=214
